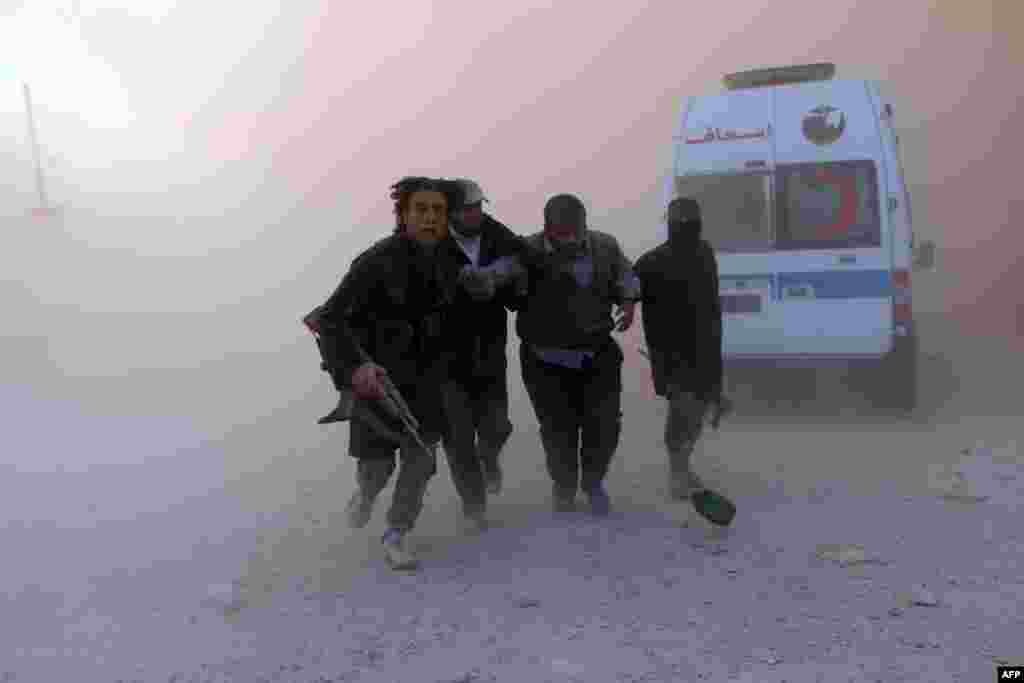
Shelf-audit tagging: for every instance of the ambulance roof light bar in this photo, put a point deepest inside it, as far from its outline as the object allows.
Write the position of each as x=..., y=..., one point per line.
x=760, y=78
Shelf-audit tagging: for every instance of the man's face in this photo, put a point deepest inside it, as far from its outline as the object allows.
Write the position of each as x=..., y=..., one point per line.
x=426, y=217
x=468, y=219
x=564, y=232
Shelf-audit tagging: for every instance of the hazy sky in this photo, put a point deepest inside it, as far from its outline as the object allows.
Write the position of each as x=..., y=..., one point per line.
x=224, y=117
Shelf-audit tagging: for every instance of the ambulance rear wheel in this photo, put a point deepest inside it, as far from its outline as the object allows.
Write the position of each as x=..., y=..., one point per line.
x=895, y=388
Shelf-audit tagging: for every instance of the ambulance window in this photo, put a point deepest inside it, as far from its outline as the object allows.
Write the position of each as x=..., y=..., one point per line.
x=828, y=206
x=736, y=209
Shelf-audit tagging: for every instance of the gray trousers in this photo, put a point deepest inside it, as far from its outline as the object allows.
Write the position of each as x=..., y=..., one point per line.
x=376, y=463
x=683, y=427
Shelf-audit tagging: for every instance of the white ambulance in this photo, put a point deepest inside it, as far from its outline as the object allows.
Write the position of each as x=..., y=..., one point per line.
x=801, y=187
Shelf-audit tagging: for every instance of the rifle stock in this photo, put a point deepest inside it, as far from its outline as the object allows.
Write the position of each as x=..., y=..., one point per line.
x=392, y=402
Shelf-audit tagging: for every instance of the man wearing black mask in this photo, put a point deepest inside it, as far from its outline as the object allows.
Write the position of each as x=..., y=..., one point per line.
x=682, y=322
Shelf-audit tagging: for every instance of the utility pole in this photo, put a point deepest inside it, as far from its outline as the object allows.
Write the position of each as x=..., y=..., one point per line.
x=44, y=208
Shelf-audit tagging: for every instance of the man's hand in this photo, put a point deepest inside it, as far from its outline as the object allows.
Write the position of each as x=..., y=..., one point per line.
x=626, y=313
x=478, y=283
x=368, y=382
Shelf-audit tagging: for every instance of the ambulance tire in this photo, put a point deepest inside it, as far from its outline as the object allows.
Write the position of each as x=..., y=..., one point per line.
x=895, y=391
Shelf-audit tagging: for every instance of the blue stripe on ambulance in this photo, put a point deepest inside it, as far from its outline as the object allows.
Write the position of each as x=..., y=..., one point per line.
x=840, y=284
x=826, y=284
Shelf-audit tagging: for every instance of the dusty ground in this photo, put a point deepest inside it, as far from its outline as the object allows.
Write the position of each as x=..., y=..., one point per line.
x=145, y=540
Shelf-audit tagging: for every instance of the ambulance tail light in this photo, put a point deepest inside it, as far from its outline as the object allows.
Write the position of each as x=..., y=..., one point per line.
x=902, y=312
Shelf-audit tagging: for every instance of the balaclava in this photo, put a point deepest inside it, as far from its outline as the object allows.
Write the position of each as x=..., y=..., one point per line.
x=684, y=223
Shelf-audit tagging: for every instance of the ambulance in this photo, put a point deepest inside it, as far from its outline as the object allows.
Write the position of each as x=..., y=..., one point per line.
x=799, y=179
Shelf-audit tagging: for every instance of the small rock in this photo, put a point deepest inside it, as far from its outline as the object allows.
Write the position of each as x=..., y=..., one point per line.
x=564, y=666
x=960, y=489
x=767, y=656
x=922, y=597
x=527, y=602
x=224, y=596
x=895, y=612
x=846, y=555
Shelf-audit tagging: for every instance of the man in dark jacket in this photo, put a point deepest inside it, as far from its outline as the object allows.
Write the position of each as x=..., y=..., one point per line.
x=682, y=322
x=476, y=395
x=394, y=304
x=571, y=365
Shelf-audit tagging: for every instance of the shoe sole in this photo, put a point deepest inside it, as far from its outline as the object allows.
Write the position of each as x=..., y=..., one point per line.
x=407, y=566
x=404, y=566
x=602, y=509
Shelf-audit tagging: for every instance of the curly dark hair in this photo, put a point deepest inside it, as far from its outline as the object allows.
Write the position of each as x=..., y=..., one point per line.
x=405, y=188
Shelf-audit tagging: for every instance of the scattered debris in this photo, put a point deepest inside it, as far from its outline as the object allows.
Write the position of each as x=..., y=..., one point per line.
x=525, y=602
x=847, y=555
x=472, y=676
x=920, y=596
x=767, y=656
x=564, y=666
x=226, y=597
x=961, y=490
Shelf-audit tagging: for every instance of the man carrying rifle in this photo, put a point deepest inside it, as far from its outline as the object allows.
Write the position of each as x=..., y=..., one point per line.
x=383, y=337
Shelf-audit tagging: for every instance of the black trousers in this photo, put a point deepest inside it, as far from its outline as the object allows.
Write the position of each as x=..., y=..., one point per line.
x=580, y=415
x=477, y=427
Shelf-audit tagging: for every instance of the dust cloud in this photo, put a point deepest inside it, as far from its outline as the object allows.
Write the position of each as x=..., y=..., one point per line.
x=217, y=168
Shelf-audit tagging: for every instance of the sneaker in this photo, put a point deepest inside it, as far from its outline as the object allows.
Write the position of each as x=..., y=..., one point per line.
x=600, y=503
x=492, y=473
x=564, y=501
x=397, y=556
x=360, y=508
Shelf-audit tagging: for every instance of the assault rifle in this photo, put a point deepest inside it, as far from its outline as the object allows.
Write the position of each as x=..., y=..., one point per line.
x=349, y=407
